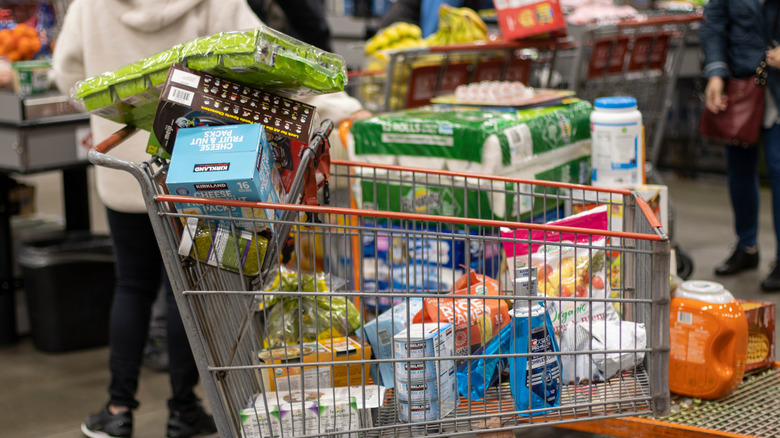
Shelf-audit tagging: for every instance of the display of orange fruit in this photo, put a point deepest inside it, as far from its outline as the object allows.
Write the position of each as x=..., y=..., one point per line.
x=20, y=43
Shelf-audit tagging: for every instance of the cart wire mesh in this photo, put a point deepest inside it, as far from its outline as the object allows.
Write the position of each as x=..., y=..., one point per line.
x=286, y=351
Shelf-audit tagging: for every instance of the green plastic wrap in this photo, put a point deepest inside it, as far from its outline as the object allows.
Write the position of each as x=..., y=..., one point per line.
x=262, y=58
x=292, y=320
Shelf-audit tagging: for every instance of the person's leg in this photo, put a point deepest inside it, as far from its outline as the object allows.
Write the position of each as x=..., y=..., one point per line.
x=744, y=196
x=137, y=259
x=137, y=281
x=743, y=192
x=187, y=418
x=772, y=158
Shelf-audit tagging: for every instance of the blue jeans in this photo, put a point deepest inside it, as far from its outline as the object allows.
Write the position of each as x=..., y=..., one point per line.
x=744, y=187
x=139, y=276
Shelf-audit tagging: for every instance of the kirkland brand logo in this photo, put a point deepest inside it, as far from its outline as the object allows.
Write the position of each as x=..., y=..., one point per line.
x=211, y=186
x=214, y=167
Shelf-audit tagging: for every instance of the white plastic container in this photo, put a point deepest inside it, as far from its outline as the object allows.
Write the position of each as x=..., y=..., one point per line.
x=617, y=157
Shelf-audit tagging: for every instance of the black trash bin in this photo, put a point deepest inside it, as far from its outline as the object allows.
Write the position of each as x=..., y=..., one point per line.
x=69, y=285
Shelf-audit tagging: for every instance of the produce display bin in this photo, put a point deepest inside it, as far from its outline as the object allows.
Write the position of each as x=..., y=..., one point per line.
x=69, y=282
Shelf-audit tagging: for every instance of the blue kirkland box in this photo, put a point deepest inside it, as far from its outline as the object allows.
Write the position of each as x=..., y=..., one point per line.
x=232, y=162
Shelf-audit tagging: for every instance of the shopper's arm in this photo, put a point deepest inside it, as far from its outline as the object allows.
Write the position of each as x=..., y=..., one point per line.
x=68, y=56
x=714, y=38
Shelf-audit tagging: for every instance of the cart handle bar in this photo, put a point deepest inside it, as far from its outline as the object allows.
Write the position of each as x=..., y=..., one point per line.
x=114, y=139
x=508, y=179
x=661, y=20
x=408, y=216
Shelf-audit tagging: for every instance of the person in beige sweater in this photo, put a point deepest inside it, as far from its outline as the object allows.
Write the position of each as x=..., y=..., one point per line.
x=98, y=36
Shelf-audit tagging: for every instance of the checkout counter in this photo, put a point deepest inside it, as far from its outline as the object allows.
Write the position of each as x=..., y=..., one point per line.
x=38, y=133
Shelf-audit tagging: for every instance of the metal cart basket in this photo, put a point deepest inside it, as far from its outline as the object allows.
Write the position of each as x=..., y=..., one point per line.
x=389, y=234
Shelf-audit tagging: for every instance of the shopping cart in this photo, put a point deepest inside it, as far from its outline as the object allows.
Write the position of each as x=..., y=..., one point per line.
x=232, y=314
x=638, y=58
x=413, y=76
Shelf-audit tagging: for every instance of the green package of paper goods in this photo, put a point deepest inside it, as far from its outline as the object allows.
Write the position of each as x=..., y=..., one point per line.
x=551, y=143
x=261, y=58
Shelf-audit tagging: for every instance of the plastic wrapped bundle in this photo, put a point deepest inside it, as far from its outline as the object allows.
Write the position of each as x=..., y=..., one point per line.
x=261, y=58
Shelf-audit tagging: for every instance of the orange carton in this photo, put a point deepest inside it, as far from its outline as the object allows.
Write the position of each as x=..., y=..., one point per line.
x=519, y=19
x=761, y=333
x=351, y=349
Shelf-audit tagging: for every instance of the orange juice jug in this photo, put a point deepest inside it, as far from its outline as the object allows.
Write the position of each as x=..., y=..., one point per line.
x=709, y=335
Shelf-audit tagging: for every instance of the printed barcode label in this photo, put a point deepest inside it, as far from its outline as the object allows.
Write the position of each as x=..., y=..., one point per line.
x=520, y=142
x=685, y=317
x=185, y=78
x=183, y=97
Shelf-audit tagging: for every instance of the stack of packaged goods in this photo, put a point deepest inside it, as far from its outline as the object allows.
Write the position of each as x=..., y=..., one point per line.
x=425, y=382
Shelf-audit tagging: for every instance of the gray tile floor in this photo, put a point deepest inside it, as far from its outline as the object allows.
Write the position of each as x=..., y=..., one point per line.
x=48, y=395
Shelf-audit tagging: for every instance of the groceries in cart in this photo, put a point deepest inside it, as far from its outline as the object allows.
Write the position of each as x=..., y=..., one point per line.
x=425, y=389
x=194, y=98
x=290, y=319
x=379, y=332
x=232, y=162
x=575, y=266
x=398, y=261
x=217, y=243
x=476, y=318
x=546, y=143
x=312, y=412
x=261, y=57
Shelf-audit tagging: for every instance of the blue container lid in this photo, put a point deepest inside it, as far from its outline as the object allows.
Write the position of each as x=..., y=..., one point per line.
x=615, y=102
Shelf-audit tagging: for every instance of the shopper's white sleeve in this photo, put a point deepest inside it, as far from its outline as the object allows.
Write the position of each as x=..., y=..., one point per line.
x=337, y=107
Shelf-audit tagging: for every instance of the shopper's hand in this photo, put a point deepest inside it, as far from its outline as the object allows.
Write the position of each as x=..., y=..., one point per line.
x=716, y=101
x=773, y=57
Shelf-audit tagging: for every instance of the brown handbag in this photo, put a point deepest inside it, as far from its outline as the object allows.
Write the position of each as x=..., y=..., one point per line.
x=740, y=123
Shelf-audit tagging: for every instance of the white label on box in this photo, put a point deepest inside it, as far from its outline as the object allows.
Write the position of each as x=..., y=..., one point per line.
x=181, y=96
x=520, y=142
x=185, y=78
x=316, y=377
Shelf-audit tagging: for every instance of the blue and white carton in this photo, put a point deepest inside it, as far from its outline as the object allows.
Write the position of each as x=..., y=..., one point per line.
x=422, y=341
x=379, y=333
x=231, y=162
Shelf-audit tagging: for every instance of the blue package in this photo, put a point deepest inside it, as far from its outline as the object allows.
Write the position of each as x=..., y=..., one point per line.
x=481, y=374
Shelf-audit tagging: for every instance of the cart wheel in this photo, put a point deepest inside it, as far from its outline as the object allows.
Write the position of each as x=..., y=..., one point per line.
x=684, y=264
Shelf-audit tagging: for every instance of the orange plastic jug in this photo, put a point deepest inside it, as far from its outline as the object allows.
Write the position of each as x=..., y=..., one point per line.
x=709, y=337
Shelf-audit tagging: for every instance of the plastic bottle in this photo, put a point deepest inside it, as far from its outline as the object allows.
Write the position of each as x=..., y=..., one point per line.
x=709, y=338
x=616, y=131
x=535, y=384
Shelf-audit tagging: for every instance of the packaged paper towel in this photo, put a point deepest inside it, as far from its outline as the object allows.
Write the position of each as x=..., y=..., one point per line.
x=524, y=144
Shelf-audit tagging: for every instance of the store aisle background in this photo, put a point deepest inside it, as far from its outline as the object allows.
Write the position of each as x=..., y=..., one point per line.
x=47, y=395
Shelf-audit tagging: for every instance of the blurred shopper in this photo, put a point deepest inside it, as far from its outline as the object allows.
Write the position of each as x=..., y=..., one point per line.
x=734, y=36
x=99, y=36
x=301, y=19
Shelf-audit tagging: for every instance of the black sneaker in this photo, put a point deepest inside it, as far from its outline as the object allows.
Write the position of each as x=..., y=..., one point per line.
x=107, y=425
x=191, y=424
x=772, y=282
x=740, y=260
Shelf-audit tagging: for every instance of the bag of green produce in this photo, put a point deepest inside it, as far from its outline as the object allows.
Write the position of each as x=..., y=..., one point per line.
x=297, y=319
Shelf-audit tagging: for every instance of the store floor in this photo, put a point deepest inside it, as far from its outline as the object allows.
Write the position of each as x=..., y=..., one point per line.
x=48, y=395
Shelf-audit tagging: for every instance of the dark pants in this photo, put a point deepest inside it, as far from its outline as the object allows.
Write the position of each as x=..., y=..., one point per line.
x=744, y=187
x=139, y=274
